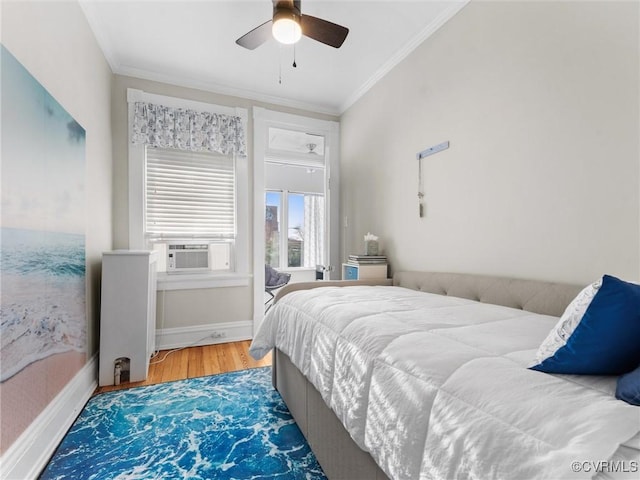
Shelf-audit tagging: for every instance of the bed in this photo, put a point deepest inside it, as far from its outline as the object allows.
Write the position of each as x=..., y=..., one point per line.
x=426, y=377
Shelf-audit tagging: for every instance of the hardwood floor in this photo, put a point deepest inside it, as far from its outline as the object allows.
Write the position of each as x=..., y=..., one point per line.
x=196, y=362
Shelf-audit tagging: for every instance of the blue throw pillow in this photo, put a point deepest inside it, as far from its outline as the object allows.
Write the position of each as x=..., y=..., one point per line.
x=629, y=387
x=606, y=341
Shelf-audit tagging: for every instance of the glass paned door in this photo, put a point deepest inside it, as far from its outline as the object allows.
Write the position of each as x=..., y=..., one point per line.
x=272, y=227
x=294, y=230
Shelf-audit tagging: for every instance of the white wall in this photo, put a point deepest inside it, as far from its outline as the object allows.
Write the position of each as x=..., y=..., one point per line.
x=540, y=101
x=185, y=309
x=53, y=41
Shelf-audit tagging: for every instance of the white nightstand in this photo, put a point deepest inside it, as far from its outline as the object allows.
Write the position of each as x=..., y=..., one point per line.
x=363, y=272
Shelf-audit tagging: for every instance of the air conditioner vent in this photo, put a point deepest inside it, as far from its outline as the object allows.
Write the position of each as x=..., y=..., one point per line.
x=187, y=257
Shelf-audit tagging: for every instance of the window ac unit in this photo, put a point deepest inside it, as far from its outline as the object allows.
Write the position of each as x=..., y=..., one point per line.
x=187, y=257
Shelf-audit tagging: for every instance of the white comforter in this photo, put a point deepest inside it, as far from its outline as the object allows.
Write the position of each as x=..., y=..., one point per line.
x=437, y=387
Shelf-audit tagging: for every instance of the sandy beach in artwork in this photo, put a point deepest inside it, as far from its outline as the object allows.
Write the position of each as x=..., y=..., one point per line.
x=40, y=316
x=42, y=323
x=42, y=301
x=26, y=394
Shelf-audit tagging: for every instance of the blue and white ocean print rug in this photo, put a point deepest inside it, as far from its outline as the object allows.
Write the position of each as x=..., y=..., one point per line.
x=228, y=426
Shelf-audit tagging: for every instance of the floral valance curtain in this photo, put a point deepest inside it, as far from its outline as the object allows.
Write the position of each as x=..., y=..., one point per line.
x=168, y=127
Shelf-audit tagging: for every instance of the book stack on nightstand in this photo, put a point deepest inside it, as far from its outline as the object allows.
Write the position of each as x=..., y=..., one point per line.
x=363, y=267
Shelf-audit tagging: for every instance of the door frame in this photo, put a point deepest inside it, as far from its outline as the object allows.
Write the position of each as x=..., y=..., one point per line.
x=262, y=120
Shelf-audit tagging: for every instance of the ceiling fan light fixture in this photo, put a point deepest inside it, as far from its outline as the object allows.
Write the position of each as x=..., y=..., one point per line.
x=286, y=27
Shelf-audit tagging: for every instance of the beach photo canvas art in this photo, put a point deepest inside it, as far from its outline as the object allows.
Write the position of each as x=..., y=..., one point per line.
x=42, y=249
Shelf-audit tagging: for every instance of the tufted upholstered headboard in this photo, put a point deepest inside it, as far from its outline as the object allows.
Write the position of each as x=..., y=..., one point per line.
x=546, y=298
x=535, y=296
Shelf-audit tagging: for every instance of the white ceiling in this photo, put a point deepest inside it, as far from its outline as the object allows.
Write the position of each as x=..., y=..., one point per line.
x=192, y=43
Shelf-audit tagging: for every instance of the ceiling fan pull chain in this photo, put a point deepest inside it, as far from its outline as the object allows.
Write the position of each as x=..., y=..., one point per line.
x=279, y=65
x=294, y=56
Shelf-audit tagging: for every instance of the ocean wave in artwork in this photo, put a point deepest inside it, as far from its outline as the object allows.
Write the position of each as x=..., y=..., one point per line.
x=42, y=307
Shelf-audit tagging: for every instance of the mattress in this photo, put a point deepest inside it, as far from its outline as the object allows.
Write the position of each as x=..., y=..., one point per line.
x=437, y=387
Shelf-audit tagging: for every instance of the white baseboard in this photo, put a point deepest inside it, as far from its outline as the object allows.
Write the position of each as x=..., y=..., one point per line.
x=29, y=454
x=210, y=334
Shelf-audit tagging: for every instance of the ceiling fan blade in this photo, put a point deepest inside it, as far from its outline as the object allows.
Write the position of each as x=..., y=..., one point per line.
x=323, y=31
x=256, y=37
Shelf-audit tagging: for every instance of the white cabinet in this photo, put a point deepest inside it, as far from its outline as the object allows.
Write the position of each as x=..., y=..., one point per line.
x=128, y=315
x=363, y=272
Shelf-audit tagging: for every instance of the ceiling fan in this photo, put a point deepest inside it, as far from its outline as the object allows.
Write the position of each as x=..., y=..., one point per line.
x=289, y=24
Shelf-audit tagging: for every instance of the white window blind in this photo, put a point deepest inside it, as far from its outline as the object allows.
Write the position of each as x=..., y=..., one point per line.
x=190, y=194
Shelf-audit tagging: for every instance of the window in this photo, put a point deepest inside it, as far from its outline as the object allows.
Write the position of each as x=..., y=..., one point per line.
x=272, y=228
x=190, y=206
x=190, y=194
x=295, y=182
x=190, y=197
x=294, y=235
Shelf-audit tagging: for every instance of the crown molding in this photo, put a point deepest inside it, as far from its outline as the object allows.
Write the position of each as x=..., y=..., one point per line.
x=257, y=96
x=224, y=90
x=178, y=81
x=425, y=33
x=98, y=33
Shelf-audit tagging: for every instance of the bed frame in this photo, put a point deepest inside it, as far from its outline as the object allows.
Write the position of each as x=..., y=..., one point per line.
x=339, y=456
